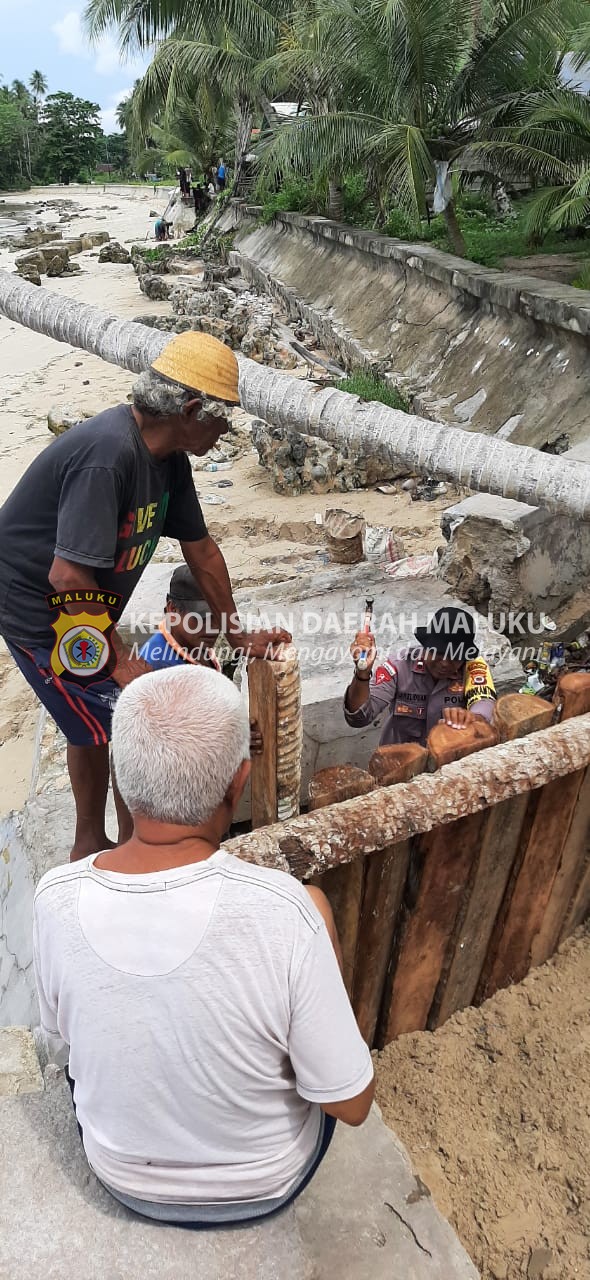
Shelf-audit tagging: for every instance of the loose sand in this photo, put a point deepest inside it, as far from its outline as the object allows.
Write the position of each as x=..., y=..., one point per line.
x=493, y=1108
x=259, y=530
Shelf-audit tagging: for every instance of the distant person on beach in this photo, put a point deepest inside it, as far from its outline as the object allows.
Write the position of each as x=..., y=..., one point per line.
x=195, y=1000
x=200, y=199
x=162, y=229
x=221, y=176
x=76, y=535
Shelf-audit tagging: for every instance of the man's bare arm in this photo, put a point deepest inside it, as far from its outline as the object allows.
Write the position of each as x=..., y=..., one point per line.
x=207, y=564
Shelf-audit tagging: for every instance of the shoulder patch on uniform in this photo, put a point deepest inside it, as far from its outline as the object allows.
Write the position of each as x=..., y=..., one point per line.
x=385, y=673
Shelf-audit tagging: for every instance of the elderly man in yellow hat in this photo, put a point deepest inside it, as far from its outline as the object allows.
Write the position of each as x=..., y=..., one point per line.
x=76, y=535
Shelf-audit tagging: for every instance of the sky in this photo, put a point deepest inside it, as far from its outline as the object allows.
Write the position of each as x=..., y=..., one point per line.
x=48, y=36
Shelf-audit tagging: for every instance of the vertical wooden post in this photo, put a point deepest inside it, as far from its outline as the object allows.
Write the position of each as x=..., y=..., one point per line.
x=385, y=878
x=263, y=709
x=552, y=810
x=275, y=703
x=343, y=885
x=446, y=745
x=574, y=856
x=516, y=714
x=573, y=694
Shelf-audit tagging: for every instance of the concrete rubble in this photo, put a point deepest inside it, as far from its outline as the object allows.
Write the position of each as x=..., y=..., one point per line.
x=298, y=463
x=509, y=558
x=364, y=1205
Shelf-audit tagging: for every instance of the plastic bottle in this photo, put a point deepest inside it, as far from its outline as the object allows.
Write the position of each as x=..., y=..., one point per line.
x=218, y=466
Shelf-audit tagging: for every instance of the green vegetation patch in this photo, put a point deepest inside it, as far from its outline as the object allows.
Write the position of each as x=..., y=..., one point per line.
x=367, y=387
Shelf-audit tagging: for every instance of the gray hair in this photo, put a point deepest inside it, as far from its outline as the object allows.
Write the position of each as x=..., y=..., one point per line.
x=179, y=738
x=159, y=398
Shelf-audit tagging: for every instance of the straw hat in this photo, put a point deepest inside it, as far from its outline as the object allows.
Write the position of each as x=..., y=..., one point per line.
x=200, y=362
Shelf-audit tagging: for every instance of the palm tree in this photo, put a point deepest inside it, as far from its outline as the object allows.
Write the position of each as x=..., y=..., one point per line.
x=465, y=457
x=550, y=139
x=411, y=85
x=38, y=85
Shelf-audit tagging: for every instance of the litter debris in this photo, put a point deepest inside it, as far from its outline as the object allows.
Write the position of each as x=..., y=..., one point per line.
x=381, y=545
x=413, y=566
x=387, y=488
x=213, y=499
x=225, y=484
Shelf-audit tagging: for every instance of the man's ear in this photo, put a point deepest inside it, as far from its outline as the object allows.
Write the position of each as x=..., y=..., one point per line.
x=191, y=406
x=236, y=787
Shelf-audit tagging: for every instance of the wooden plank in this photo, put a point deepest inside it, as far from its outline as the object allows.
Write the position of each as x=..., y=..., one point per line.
x=448, y=855
x=263, y=708
x=573, y=694
x=553, y=814
x=385, y=877
x=569, y=875
x=579, y=907
x=516, y=714
x=446, y=745
x=499, y=846
x=343, y=885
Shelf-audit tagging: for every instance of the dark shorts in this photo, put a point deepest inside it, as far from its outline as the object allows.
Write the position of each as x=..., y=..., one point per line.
x=82, y=711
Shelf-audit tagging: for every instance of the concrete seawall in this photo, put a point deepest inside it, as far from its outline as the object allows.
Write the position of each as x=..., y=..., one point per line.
x=483, y=349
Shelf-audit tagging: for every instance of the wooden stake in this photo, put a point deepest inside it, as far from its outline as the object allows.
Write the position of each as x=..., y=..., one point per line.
x=517, y=714
x=343, y=885
x=385, y=877
x=498, y=849
x=553, y=808
x=573, y=694
x=263, y=709
x=446, y=745
x=569, y=876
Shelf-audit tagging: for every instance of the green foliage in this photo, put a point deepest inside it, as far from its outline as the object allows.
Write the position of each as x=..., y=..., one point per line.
x=582, y=281
x=368, y=387
x=71, y=137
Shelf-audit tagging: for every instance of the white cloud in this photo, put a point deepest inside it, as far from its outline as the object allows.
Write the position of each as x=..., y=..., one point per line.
x=71, y=38
x=108, y=116
x=108, y=58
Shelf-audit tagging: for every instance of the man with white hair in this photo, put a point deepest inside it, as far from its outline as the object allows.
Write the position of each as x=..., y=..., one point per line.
x=197, y=998
x=77, y=533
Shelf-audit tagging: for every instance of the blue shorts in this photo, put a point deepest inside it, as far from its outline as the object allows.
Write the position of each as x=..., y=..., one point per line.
x=81, y=710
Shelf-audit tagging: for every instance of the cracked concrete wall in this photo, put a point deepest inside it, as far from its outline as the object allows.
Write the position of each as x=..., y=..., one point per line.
x=504, y=556
x=478, y=348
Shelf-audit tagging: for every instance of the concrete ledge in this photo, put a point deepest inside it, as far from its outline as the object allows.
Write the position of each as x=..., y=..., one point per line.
x=561, y=306
x=364, y=1216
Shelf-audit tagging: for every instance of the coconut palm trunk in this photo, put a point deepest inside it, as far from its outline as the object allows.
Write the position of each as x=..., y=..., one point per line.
x=464, y=457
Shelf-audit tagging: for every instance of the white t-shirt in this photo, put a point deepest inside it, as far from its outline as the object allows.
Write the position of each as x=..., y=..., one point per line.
x=205, y=1017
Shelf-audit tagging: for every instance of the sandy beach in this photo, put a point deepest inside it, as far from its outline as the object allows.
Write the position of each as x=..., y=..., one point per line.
x=261, y=532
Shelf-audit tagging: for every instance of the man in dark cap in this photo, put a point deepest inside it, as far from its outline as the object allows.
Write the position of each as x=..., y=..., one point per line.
x=441, y=678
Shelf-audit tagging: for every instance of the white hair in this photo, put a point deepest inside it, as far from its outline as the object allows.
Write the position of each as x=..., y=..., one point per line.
x=179, y=738
x=158, y=397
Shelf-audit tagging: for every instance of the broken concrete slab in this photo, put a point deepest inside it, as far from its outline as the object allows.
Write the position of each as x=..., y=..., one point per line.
x=360, y=1217
x=20, y=1072
x=511, y=558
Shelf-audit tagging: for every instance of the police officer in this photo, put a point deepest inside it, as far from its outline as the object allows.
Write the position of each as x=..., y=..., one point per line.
x=442, y=677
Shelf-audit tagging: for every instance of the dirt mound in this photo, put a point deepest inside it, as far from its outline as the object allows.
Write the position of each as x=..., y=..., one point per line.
x=494, y=1108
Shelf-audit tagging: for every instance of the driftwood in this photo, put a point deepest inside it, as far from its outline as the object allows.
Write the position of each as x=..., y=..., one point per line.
x=573, y=694
x=312, y=843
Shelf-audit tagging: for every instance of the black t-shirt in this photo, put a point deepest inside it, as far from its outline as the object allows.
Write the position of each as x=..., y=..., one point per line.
x=97, y=497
